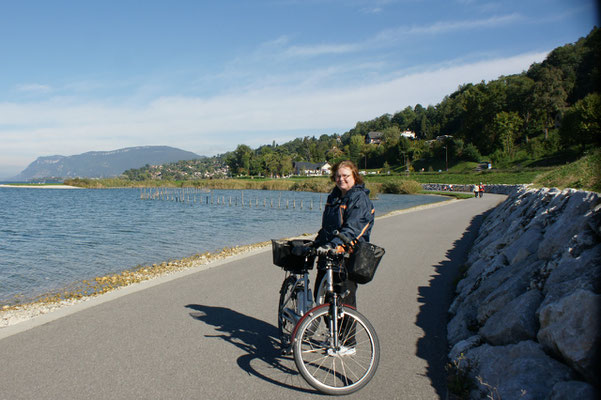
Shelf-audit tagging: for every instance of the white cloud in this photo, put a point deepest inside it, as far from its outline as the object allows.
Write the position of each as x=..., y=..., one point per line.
x=448, y=26
x=282, y=46
x=217, y=124
x=321, y=49
x=34, y=88
x=444, y=27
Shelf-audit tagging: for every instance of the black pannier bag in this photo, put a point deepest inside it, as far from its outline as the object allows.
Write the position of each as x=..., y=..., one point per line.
x=364, y=261
x=283, y=257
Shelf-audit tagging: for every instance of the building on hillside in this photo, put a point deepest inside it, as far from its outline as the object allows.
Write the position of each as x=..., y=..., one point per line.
x=374, y=137
x=312, y=169
x=409, y=135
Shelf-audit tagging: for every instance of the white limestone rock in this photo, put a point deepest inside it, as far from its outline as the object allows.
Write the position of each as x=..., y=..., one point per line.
x=515, y=322
x=571, y=329
x=516, y=371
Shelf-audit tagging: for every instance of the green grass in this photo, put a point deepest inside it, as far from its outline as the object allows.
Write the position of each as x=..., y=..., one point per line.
x=509, y=177
x=582, y=174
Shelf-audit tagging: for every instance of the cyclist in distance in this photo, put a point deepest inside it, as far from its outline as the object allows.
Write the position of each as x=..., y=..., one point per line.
x=350, y=212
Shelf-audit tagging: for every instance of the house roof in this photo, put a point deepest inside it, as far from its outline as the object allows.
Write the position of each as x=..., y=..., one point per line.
x=308, y=165
x=375, y=135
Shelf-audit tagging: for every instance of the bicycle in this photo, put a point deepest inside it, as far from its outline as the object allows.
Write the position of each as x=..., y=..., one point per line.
x=335, y=348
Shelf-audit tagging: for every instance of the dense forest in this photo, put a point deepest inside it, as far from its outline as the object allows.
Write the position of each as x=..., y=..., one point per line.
x=550, y=112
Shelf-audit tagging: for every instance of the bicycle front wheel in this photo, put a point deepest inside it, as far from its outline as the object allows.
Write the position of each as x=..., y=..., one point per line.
x=336, y=370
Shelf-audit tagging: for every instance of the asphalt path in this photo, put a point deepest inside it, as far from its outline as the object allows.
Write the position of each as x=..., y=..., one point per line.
x=212, y=333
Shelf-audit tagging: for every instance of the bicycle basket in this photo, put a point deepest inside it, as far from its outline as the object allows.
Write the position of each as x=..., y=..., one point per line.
x=364, y=261
x=283, y=257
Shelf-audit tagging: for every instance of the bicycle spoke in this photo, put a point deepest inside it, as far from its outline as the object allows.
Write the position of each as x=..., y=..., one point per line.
x=340, y=370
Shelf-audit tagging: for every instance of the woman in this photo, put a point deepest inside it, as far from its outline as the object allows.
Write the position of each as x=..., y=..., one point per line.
x=349, y=211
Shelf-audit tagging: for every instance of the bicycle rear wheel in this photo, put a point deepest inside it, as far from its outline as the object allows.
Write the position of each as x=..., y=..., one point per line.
x=287, y=310
x=342, y=370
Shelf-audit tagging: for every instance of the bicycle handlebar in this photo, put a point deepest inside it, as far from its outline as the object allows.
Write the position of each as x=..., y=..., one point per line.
x=308, y=251
x=342, y=237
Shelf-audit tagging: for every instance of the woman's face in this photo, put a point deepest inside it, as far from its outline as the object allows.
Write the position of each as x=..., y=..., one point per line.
x=344, y=179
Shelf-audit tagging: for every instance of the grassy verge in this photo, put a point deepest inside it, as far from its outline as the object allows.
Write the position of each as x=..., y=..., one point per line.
x=582, y=174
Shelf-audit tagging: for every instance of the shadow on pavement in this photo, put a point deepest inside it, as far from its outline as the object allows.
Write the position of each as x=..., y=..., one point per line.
x=258, y=339
x=436, y=299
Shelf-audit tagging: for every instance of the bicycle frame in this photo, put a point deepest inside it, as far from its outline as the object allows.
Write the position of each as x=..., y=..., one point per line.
x=331, y=299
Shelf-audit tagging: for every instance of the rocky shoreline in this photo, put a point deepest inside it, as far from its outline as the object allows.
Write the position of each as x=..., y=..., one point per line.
x=526, y=319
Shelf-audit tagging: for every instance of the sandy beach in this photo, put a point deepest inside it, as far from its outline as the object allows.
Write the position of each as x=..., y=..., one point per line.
x=39, y=186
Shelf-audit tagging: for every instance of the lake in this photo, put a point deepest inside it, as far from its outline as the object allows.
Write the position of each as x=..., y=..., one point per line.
x=51, y=238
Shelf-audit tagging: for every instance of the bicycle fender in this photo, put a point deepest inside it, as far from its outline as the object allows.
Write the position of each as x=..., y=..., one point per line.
x=309, y=313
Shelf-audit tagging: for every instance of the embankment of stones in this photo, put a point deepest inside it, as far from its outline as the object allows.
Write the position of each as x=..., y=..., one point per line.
x=526, y=319
x=497, y=189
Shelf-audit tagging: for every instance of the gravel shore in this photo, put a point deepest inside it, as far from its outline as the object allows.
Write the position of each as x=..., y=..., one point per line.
x=14, y=314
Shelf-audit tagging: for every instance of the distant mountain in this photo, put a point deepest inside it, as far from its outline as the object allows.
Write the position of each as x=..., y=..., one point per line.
x=102, y=164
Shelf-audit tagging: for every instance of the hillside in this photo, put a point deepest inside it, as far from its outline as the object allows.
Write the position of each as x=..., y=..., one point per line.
x=101, y=164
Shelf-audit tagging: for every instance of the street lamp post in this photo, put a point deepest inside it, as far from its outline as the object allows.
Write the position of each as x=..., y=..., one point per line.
x=446, y=158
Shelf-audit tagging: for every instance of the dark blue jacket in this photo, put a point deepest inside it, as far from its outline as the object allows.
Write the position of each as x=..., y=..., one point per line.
x=351, y=215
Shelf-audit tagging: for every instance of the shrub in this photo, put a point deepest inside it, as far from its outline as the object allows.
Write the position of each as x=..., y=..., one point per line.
x=401, y=187
x=312, y=185
x=471, y=153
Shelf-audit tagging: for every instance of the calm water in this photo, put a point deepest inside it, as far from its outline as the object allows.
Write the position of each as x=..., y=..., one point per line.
x=51, y=238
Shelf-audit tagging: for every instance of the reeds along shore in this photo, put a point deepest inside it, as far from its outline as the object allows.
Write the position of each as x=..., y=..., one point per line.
x=308, y=185
x=205, y=196
x=318, y=185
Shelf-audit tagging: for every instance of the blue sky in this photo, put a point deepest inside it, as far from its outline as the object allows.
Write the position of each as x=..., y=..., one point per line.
x=205, y=76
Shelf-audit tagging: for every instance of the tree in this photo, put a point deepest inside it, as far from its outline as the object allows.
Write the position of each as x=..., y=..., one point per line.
x=519, y=92
x=482, y=102
x=507, y=125
x=239, y=160
x=356, y=148
x=581, y=124
x=404, y=119
x=549, y=96
x=285, y=166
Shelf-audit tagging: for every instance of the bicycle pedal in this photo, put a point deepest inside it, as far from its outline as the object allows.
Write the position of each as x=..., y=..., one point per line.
x=287, y=351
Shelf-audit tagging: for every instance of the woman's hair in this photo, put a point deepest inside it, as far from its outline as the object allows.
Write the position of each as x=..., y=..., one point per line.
x=350, y=165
